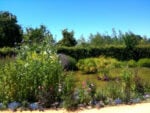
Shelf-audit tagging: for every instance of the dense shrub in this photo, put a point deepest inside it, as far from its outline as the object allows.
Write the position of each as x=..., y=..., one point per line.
x=132, y=63
x=35, y=76
x=145, y=62
x=23, y=77
x=100, y=64
x=68, y=63
x=87, y=65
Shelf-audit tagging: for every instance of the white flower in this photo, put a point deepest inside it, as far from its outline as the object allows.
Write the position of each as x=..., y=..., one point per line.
x=48, y=51
x=26, y=65
x=26, y=47
x=44, y=52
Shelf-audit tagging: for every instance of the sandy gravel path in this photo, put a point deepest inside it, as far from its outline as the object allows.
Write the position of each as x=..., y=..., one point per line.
x=137, y=108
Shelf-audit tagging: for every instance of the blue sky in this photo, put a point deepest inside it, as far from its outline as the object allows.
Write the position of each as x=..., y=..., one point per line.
x=82, y=16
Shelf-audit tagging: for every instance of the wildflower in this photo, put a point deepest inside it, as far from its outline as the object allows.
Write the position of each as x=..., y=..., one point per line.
x=83, y=84
x=44, y=52
x=34, y=106
x=146, y=96
x=92, y=85
x=48, y=51
x=13, y=105
x=40, y=87
x=15, y=43
x=59, y=88
x=26, y=47
x=136, y=100
x=89, y=89
x=118, y=101
x=26, y=65
x=1, y=105
x=76, y=95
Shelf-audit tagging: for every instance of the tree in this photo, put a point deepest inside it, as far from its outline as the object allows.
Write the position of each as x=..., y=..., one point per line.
x=82, y=42
x=99, y=40
x=96, y=40
x=10, y=31
x=68, y=39
x=114, y=36
x=130, y=40
x=36, y=35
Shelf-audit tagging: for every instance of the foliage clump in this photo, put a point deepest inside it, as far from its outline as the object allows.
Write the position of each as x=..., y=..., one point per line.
x=68, y=62
x=35, y=76
x=94, y=65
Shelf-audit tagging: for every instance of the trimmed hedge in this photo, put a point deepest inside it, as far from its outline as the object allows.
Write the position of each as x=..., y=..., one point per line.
x=119, y=53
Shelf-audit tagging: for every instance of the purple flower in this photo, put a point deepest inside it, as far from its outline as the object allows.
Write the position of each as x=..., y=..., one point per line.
x=136, y=100
x=13, y=105
x=146, y=96
x=1, y=105
x=34, y=106
x=118, y=101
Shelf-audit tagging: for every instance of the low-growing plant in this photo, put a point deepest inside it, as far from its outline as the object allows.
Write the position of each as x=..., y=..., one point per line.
x=100, y=64
x=87, y=65
x=144, y=62
x=138, y=83
x=86, y=93
x=67, y=90
x=101, y=95
x=115, y=90
x=128, y=84
x=132, y=63
x=84, y=97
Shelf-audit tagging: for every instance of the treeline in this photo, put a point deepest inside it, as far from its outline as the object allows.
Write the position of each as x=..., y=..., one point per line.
x=119, y=45
x=11, y=34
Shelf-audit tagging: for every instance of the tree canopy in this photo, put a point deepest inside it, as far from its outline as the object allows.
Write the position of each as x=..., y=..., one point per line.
x=10, y=31
x=131, y=40
x=36, y=34
x=68, y=39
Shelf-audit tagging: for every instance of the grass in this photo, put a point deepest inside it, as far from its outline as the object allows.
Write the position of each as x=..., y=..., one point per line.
x=5, y=60
x=142, y=72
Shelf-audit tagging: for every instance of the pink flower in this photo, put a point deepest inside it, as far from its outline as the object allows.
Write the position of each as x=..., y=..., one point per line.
x=84, y=84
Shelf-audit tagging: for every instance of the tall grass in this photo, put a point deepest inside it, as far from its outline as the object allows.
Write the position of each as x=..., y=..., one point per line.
x=6, y=60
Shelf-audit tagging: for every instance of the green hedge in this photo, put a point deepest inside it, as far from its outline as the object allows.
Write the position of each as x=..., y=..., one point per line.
x=119, y=53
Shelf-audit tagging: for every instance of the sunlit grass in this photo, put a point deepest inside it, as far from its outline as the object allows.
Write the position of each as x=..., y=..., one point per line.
x=143, y=73
x=6, y=60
